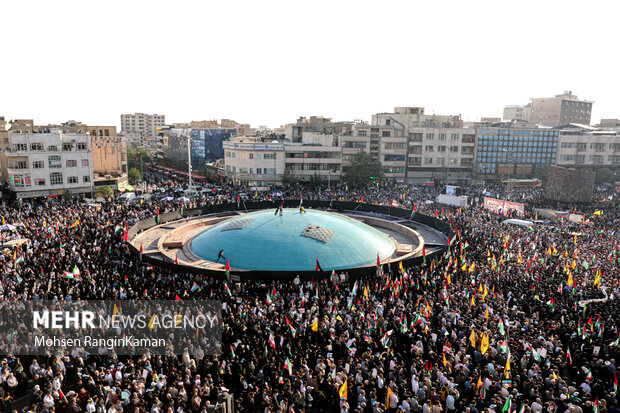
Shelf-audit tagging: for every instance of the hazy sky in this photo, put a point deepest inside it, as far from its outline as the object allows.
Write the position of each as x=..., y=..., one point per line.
x=269, y=62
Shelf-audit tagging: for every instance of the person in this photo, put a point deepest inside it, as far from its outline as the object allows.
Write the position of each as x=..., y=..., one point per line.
x=220, y=255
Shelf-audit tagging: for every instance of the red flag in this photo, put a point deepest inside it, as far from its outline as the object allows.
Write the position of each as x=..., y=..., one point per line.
x=318, y=266
x=126, y=234
x=177, y=298
x=141, y=250
x=362, y=198
x=61, y=395
x=423, y=249
x=176, y=259
x=378, y=260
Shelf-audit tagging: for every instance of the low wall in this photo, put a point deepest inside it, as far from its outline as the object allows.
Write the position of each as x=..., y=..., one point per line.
x=233, y=209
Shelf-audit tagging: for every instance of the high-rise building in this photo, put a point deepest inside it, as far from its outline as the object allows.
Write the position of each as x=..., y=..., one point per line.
x=141, y=123
x=517, y=112
x=561, y=110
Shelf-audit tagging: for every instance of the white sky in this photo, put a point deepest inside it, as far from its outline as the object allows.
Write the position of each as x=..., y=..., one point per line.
x=269, y=62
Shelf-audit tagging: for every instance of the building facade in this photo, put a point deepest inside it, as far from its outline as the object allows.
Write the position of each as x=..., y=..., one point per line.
x=588, y=148
x=253, y=162
x=207, y=145
x=143, y=124
x=561, y=110
x=49, y=163
x=517, y=112
x=507, y=151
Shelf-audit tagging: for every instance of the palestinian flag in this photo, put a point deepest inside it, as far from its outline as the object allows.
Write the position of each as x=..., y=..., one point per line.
x=195, y=287
x=227, y=269
x=141, y=251
x=19, y=259
x=504, y=346
x=19, y=279
x=157, y=217
x=413, y=212
x=177, y=298
x=318, y=266
x=71, y=275
x=595, y=408
x=288, y=366
x=232, y=351
x=238, y=201
x=502, y=329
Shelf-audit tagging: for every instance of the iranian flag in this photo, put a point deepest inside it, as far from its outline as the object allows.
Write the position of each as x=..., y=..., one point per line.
x=508, y=405
x=288, y=366
x=232, y=351
x=269, y=299
x=569, y=357
x=272, y=340
x=595, y=406
x=227, y=269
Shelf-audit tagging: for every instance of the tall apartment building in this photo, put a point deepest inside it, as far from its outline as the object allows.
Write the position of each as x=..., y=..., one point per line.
x=561, y=110
x=141, y=123
x=48, y=163
x=508, y=150
x=588, y=148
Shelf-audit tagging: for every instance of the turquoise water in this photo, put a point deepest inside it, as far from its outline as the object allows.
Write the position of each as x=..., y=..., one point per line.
x=275, y=243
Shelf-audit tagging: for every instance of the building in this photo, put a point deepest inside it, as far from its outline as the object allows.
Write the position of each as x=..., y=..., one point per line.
x=584, y=147
x=48, y=163
x=318, y=124
x=141, y=123
x=517, y=112
x=207, y=145
x=438, y=147
x=251, y=161
x=561, y=110
x=256, y=162
x=509, y=150
x=109, y=153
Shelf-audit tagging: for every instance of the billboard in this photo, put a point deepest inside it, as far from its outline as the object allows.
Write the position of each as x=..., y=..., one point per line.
x=569, y=185
x=500, y=206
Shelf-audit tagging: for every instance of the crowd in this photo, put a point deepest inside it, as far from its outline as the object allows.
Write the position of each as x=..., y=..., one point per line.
x=507, y=319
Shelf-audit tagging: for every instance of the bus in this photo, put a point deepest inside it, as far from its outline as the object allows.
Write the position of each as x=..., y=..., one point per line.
x=521, y=183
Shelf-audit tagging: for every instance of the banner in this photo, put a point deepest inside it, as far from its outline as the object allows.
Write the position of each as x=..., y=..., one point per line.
x=500, y=206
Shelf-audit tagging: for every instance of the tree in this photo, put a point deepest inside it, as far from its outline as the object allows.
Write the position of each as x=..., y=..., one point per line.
x=136, y=156
x=604, y=175
x=134, y=175
x=362, y=168
x=103, y=191
x=288, y=179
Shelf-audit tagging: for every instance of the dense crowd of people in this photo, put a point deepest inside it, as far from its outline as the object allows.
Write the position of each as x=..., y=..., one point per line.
x=507, y=319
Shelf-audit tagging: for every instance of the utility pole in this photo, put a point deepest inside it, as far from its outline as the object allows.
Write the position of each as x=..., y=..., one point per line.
x=189, y=161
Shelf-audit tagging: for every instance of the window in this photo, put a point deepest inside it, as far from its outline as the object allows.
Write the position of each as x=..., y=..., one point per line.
x=354, y=144
x=81, y=146
x=72, y=180
x=386, y=133
x=71, y=163
x=85, y=162
x=38, y=165
x=429, y=148
x=361, y=133
x=54, y=162
x=454, y=136
x=39, y=182
x=36, y=147
x=66, y=147
x=259, y=171
x=429, y=136
x=428, y=161
x=454, y=148
x=441, y=161
x=56, y=178
x=52, y=148
x=395, y=145
x=251, y=156
x=20, y=147
x=269, y=156
x=86, y=178
x=441, y=148
x=394, y=158
x=442, y=136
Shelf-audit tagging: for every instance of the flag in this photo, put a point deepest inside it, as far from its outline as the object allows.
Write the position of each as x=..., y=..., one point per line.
x=508, y=405
x=141, y=251
x=238, y=201
x=598, y=212
x=19, y=259
x=400, y=267
x=502, y=330
x=177, y=298
x=315, y=326
x=115, y=310
x=378, y=260
x=126, y=234
x=157, y=217
x=484, y=343
x=176, y=259
x=288, y=366
x=446, y=347
x=507, y=368
x=595, y=408
x=75, y=224
x=472, y=338
x=445, y=362
x=387, y=399
x=569, y=357
x=227, y=269
x=504, y=346
x=318, y=266
x=195, y=287
x=343, y=392
x=19, y=279
x=272, y=340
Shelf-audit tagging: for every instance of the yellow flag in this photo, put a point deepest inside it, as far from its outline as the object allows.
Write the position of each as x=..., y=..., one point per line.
x=486, y=315
x=598, y=212
x=366, y=292
x=480, y=288
x=507, y=368
x=151, y=322
x=449, y=281
x=473, y=301
x=445, y=362
x=115, y=310
x=520, y=258
x=575, y=239
x=315, y=326
x=555, y=376
x=464, y=267
x=484, y=343
x=472, y=338
x=3, y=221
x=573, y=265
x=488, y=253
x=472, y=267
x=400, y=267
x=485, y=293
x=479, y=383
x=428, y=309
x=343, y=392
x=76, y=223
x=597, y=280
x=387, y=399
